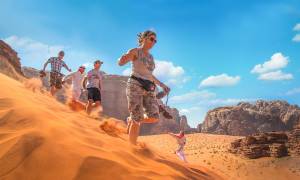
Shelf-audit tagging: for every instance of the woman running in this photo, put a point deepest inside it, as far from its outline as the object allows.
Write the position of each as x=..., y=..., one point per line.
x=141, y=85
x=181, y=141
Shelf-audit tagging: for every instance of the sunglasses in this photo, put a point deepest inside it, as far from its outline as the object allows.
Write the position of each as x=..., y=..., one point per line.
x=153, y=40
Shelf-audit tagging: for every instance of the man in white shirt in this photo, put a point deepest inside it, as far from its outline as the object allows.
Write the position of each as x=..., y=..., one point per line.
x=76, y=78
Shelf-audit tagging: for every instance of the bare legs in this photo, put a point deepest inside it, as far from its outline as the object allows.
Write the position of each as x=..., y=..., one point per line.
x=90, y=105
x=133, y=128
x=53, y=90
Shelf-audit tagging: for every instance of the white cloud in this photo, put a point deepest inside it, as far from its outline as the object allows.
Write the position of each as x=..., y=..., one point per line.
x=293, y=91
x=184, y=111
x=275, y=76
x=167, y=68
x=277, y=61
x=34, y=53
x=271, y=70
x=226, y=102
x=220, y=81
x=32, y=50
x=192, y=97
x=297, y=27
x=166, y=72
x=126, y=72
x=296, y=38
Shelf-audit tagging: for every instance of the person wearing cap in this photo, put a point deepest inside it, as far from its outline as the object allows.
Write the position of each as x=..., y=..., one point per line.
x=76, y=78
x=93, y=83
x=55, y=74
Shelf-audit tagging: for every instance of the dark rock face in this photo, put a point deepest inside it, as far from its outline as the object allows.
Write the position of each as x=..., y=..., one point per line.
x=245, y=118
x=9, y=61
x=294, y=142
x=270, y=144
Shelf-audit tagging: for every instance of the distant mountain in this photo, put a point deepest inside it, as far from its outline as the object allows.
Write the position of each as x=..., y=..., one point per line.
x=246, y=118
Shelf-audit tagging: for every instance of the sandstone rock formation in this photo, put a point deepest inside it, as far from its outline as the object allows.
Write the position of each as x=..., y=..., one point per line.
x=294, y=142
x=9, y=61
x=270, y=144
x=184, y=124
x=247, y=118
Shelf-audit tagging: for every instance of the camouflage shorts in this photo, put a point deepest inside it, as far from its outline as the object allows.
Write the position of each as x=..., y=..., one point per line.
x=56, y=80
x=140, y=101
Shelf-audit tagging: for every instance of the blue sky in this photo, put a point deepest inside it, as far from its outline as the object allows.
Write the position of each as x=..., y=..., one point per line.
x=212, y=53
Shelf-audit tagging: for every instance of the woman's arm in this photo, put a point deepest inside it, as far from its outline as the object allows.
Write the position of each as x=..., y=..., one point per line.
x=129, y=56
x=162, y=85
x=174, y=135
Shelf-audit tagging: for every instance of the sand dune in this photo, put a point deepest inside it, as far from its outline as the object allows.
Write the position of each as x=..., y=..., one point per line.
x=210, y=151
x=43, y=139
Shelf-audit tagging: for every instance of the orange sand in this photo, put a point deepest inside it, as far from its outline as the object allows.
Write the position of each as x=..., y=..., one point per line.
x=210, y=151
x=43, y=139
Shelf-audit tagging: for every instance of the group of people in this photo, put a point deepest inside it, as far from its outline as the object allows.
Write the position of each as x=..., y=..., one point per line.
x=143, y=100
x=92, y=81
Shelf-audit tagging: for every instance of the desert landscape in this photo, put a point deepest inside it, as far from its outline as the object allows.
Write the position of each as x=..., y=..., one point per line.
x=41, y=138
x=211, y=151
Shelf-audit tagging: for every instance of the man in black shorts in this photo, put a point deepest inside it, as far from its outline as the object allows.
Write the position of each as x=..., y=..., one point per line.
x=93, y=80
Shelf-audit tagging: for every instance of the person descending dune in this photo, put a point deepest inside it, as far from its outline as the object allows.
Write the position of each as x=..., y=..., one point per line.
x=93, y=83
x=77, y=78
x=55, y=74
x=141, y=85
x=181, y=141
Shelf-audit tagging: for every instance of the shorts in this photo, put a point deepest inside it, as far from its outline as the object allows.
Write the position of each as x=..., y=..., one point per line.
x=94, y=94
x=141, y=101
x=56, y=80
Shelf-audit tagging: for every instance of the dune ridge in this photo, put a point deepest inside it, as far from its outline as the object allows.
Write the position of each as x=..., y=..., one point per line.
x=43, y=139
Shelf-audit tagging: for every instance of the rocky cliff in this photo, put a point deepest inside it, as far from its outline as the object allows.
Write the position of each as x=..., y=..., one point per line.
x=246, y=118
x=9, y=61
x=274, y=144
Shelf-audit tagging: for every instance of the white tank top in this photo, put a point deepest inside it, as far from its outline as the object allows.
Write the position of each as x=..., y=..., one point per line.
x=143, y=66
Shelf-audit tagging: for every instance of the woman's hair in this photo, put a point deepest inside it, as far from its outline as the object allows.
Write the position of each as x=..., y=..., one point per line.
x=144, y=35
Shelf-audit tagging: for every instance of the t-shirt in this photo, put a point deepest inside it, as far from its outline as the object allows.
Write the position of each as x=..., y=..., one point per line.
x=143, y=66
x=56, y=64
x=77, y=78
x=94, y=79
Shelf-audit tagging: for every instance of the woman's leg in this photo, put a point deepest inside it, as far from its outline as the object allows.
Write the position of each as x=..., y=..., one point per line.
x=134, y=131
x=89, y=106
x=135, y=106
x=151, y=108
